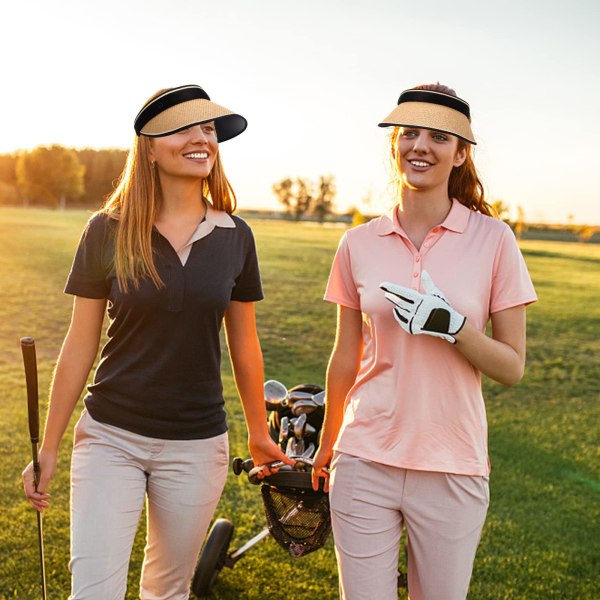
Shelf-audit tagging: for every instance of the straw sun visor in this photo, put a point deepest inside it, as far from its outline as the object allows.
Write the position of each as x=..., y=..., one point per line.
x=430, y=111
x=183, y=107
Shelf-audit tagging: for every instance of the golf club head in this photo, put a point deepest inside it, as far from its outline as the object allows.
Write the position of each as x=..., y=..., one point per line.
x=284, y=430
x=310, y=450
x=299, y=425
x=294, y=447
x=319, y=399
x=289, y=451
x=275, y=394
x=309, y=431
x=294, y=396
x=303, y=406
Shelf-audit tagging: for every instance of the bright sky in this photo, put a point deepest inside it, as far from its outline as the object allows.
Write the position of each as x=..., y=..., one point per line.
x=314, y=77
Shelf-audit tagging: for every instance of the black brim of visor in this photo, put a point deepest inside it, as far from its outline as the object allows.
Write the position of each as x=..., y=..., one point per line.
x=227, y=127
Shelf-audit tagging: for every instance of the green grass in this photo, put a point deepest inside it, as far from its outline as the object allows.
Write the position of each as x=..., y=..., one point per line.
x=541, y=536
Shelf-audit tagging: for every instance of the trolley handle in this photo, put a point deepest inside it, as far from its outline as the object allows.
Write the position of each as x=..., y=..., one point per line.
x=239, y=465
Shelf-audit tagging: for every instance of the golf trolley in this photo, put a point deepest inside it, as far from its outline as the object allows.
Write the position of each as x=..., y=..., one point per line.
x=297, y=516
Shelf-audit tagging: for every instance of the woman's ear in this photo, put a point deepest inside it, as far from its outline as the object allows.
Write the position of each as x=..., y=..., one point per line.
x=460, y=156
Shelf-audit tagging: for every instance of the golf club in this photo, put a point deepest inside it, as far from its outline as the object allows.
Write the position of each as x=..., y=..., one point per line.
x=275, y=394
x=31, y=378
x=299, y=425
x=284, y=431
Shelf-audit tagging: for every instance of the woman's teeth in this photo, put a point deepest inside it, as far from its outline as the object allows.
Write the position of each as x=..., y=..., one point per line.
x=418, y=163
x=197, y=155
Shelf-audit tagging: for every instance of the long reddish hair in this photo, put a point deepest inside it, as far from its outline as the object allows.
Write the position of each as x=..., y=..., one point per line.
x=135, y=203
x=464, y=183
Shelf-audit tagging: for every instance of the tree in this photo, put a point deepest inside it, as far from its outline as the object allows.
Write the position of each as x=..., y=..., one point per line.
x=296, y=196
x=585, y=232
x=8, y=194
x=7, y=168
x=304, y=197
x=102, y=169
x=284, y=192
x=50, y=176
x=501, y=209
x=520, y=223
x=323, y=204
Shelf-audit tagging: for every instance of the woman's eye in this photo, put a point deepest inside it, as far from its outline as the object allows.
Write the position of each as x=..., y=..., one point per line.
x=440, y=137
x=209, y=129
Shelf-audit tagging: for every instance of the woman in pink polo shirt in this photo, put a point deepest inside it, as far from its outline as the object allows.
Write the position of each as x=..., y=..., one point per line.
x=405, y=430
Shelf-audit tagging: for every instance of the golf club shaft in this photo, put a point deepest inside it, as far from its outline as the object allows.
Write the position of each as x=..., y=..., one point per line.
x=31, y=379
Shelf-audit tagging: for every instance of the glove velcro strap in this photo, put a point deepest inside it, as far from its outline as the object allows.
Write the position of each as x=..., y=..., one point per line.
x=438, y=321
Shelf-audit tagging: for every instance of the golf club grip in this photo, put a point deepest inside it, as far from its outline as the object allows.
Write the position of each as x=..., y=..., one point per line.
x=31, y=378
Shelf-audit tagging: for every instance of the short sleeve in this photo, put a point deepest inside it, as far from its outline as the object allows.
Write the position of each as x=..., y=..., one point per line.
x=88, y=277
x=248, y=285
x=341, y=287
x=511, y=283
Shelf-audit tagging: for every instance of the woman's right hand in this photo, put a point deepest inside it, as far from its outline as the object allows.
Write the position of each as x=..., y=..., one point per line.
x=321, y=460
x=39, y=498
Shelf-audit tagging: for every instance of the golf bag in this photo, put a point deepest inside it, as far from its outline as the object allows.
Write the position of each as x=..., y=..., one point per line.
x=297, y=516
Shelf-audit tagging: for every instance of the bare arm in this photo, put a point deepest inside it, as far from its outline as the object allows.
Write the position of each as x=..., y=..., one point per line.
x=75, y=360
x=247, y=362
x=341, y=375
x=502, y=356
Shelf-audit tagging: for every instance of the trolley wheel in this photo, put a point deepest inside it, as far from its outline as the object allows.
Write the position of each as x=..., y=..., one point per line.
x=213, y=556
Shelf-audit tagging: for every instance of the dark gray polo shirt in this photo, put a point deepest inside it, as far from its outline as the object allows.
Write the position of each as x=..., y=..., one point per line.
x=159, y=373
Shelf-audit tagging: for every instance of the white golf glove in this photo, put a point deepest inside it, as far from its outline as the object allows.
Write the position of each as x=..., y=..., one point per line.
x=427, y=313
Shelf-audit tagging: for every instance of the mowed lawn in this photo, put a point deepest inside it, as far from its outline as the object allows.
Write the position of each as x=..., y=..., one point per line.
x=541, y=539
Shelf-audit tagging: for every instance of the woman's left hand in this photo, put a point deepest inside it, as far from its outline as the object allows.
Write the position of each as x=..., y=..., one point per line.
x=264, y=450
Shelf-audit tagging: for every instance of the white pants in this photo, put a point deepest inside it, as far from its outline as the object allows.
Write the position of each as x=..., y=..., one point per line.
x=112, y=472
x=443, y=514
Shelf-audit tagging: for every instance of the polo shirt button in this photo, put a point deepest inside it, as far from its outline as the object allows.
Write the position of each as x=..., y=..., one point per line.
x=415, y=274
x=418, y=259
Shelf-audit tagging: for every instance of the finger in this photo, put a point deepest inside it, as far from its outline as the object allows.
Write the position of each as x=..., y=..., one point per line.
x=39, y=505
x=315, y=480
x=402, y=320
x=398, y=293
x=317, y=475
x=400, y=302
x=397, y=290
x=428, y=286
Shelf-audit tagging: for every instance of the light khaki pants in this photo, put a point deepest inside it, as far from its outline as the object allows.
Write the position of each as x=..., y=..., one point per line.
x=112, y=472
x=443, y=514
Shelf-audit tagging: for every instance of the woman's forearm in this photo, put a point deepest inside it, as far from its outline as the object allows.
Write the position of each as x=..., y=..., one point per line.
x=502, y=356
x=73, y=367
x=340, y=378
x=248, y=369
x=341, y=372
x=247, y=364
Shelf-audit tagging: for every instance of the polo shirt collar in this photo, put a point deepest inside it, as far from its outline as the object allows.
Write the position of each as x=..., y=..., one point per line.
x=213, y=218
x=456, y=220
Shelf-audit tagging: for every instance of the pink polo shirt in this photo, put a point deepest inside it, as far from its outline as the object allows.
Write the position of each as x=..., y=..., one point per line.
x=417, y=402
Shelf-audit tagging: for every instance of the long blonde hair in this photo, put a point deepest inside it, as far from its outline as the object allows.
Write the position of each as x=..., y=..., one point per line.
x=464, y=183
x=135, y=204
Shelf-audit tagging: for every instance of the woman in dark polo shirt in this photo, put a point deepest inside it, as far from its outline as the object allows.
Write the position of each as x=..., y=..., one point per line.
x=168, y=266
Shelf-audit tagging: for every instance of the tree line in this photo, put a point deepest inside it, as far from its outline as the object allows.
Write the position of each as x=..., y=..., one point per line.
x=59, y=177
x=302, y=196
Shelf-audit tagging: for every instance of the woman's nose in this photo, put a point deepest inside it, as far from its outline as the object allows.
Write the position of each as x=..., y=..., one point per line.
x=198, y=135
x=420, y=143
